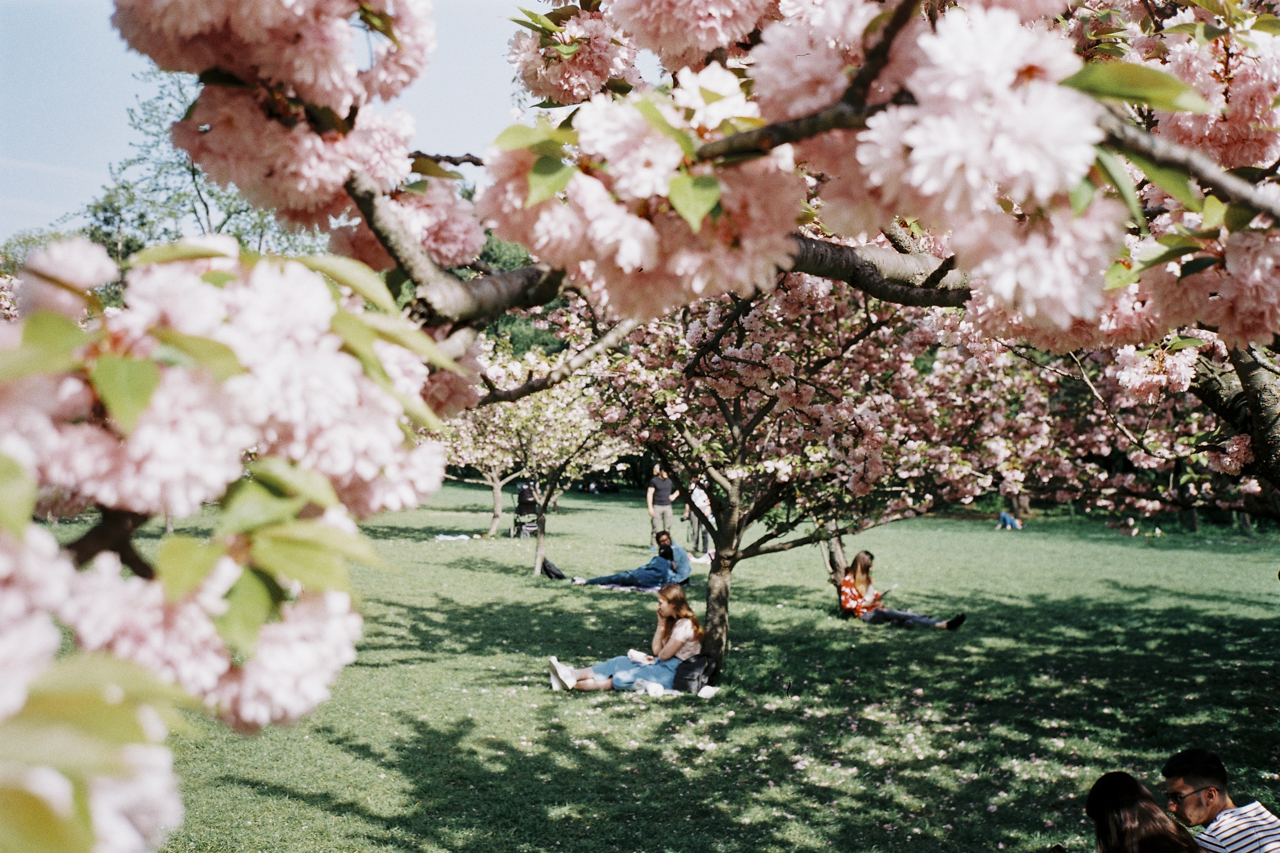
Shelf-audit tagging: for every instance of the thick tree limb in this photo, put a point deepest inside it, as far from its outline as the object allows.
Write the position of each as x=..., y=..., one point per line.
x=1219, y=388
x=453, y=160
x=849, y=113
x=1127, y=136
x=1262, y=395
x=882, y=273
x=566, y=369
x=448, y=298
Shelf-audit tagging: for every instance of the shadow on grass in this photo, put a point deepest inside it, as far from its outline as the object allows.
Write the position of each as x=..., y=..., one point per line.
x=847, y=735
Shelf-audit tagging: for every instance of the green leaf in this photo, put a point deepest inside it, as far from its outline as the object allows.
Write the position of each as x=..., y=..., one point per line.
x=548, y=176
x=1082, y=196
x=349, y=545
x=541, y=20
x=1114, y=170
x=1196, y=265
x=125, y=386
x=1203, y=33
x=1137, y=84
x=399, y=331
x=694, y=197
x=1213, y=214
x=1181, y=343
x=183, y=562
x=566, y=50
x=171, y=252
x=53, y=333
x=215, y=356
x=314, y=566
x=1118, y=275
x=355, y=275
x=1238, y=216
x=358, y=339
x=379, y=22
x=251, y=505
x=659, y=123
x=1269, y=24
x=432, y=169
x=23, y=362
x=219, y=278
x=1173, y=181
x=284, y=476
x=253, y=601
x=17, y=497
x=28, y=824
x=519, y=136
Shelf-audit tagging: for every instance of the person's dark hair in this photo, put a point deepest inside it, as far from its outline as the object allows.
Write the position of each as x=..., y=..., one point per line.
x=1127, y=819
x=1198, y=767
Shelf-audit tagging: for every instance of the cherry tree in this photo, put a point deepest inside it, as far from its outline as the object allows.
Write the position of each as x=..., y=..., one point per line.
x=1092, y=180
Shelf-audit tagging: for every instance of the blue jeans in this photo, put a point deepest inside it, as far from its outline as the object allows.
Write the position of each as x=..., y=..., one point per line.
x=625, y=673
x=635, y=577
x=898, y=618
x=1007, y=522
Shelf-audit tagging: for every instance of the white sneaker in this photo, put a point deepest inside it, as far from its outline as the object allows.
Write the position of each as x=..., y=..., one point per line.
x=556, y=686
x=568, y=675
x=579, y=581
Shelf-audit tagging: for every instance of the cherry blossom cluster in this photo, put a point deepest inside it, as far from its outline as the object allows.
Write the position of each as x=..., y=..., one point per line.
x=284, y=115
x=573, y=55
x=639, y=224
x=154, y=409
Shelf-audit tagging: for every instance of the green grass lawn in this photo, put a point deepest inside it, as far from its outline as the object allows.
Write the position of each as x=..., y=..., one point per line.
x=1085, y=652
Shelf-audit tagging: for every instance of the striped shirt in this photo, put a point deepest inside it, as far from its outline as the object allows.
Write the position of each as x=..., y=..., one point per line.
x=1244, y=829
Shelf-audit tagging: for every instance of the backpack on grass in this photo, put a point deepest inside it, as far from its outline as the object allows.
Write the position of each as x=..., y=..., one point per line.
x=550, y=570
x=694, y=674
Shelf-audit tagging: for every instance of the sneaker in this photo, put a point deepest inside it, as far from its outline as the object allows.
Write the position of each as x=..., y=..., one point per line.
x=955, y=622
x=579, y=581
x=556, y=684
x=567, y=675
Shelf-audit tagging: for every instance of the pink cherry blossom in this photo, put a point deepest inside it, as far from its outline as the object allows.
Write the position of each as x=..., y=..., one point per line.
x=683, y=32
x=55, y=277
x=602, y=54
x=133, y=812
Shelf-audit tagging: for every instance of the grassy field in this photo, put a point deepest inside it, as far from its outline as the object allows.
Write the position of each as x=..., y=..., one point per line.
x=1085, y=652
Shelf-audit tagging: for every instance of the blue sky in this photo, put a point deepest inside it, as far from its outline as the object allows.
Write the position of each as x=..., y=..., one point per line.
x=66, y=80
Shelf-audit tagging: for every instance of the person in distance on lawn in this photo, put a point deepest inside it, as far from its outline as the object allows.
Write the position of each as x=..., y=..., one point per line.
x=660, y=494
x=858, y=598
x=671, y=565
x=1195, y=781
x=677, y=638
x=1127, y=819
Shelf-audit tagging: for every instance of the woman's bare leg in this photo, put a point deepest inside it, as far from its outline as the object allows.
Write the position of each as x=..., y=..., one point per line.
x=592, y=684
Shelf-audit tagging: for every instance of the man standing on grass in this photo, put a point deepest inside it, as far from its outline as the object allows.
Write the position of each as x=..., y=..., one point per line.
x=659, y=497
x=1195, y=781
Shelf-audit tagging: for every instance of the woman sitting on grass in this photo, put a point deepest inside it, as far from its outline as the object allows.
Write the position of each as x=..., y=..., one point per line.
x=858, y=597
x=678, y=637
x=1127, y=819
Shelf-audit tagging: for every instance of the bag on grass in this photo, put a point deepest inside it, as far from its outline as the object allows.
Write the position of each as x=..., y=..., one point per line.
x=694, y=674
x=549, y=569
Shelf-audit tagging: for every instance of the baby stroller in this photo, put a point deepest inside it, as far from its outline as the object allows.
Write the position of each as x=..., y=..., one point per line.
x=525, y=520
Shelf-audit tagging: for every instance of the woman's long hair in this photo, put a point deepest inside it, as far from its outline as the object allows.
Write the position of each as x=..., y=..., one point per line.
x=1127, y=819
x=861, y=569
x=673, y=594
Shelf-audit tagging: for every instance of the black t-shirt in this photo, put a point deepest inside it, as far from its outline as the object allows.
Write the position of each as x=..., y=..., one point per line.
x=662, y=489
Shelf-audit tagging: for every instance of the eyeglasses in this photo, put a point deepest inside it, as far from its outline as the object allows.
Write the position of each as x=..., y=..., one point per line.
x=1177, y=799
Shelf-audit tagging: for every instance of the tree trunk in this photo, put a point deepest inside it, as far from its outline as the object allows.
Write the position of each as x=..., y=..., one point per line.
x=540, y=554
x=715, y=637
x=1260, y=390
x=496, y=485
x=1191, y=520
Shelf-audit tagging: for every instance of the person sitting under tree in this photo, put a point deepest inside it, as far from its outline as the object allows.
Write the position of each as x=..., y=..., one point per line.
x=677, y=638
x=1195, y=781
x=671, y=565
x=858, y=598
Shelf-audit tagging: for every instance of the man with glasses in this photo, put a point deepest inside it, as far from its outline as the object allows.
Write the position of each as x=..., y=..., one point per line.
x=1195, y=781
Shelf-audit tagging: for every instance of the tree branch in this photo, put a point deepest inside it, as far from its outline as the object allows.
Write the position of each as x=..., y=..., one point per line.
x=849, y=113
x=882, y=273
x=449, y=299
x=113, y=533
x=453, y=160
x=1127, y=136
x=566, y=369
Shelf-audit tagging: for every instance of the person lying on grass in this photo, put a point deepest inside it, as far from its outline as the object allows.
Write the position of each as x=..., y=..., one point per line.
x=677, y=638
x=858, y=597
x=671, y=565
